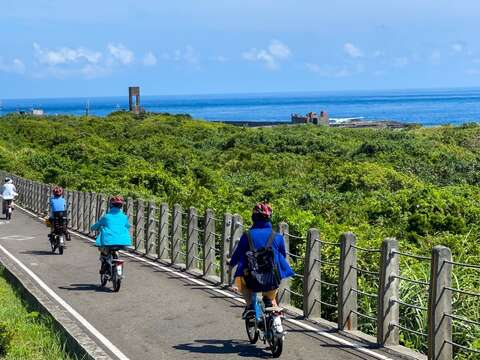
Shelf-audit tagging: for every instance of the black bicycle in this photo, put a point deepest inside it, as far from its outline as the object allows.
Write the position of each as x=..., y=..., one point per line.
x=265, y=324
x=111, y=268
x=59, y=234
x=7, y=209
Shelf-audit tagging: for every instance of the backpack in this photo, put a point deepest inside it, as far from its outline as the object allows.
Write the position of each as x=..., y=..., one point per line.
x=261, y=273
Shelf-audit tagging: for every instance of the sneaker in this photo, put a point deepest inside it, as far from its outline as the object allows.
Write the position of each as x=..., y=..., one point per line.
x=247, y=311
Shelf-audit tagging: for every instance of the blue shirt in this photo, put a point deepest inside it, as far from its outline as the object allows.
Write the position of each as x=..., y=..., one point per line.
x=57, y=204
x=260, y=232
x=114, y=229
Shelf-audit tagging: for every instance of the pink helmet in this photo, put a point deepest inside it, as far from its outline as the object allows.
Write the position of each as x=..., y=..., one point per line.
x=263, y=209
x=117, y=201
x=57, y=191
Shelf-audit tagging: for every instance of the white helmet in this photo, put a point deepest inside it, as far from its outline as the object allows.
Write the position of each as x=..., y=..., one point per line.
x=7, y=179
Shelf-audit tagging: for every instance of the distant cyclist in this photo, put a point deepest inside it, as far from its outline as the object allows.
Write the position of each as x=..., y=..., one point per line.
x=8, y=192
x=113, y=228
x=268, y=246
x=58, y=209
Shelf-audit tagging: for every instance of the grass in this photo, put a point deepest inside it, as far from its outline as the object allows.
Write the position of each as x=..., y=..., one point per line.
x=26, y=334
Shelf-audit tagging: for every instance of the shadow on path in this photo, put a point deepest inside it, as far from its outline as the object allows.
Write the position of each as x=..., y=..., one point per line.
x=85, y=287
x=38, y=252
x=241, y=348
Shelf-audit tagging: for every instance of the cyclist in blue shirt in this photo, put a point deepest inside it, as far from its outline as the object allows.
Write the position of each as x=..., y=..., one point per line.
x=58, y=208
x=260, y=233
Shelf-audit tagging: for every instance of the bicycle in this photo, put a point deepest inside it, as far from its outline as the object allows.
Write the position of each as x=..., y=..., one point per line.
x=265, y=324
x=8, y=209
x=111, y=268
x=59, y=234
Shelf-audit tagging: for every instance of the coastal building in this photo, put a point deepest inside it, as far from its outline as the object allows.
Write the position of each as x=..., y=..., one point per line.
x=134, y=91
x=311, y=118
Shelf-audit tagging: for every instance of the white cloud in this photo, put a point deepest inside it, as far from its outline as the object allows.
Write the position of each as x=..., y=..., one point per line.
x=121, y=53
x=275, y=52
x=186, y=55
x=279, y=50
x=91, y=71
x=149, y=59
x=219, y=58
x=334, y=71
x=15, y=66
x=401, y=62
x=352, y=51
x=435, y=56
x=458, y=47
x=65, y=55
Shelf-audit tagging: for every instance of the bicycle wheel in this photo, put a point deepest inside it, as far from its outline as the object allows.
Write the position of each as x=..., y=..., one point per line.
x=251, y=328
x=116, y=281
x=277, y=346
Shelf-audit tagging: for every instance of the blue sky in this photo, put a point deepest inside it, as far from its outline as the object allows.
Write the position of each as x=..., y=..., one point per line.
x=52, y=48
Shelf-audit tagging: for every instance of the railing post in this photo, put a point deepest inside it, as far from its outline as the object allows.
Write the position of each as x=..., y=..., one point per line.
x=164, y=231
x=150, y=243
x=192, y=239
x=74, y=210
x=388, y=291
x=225, y=247
x=68, y=204
x=140, y=227
x=79, y=210
x=102, y=205
x=283, y=295
x=440, y=305
x=129, y=213
x=47, y=191
x=311, y=276
x=87, y=197
x=175, y=255
x=237, y=231
x=92, y=212
x=209, y=244
x=347, y=297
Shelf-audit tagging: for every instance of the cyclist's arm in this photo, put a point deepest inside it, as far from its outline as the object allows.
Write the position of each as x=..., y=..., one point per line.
x=98, y=224
x=241, y=249
x=281, y=247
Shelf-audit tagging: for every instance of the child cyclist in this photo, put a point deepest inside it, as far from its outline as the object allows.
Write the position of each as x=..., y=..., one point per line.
x=261, y=235
x=58, y=208
x=113, y=228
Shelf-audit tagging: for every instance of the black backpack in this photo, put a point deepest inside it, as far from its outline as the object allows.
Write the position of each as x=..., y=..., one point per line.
x=261, y=273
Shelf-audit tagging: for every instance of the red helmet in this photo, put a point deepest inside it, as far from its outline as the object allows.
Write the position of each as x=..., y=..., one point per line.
x=57, y=191
x=263, y=209
x=117, y=201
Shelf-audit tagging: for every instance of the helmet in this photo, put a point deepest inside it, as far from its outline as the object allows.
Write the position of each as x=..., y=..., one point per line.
x=57, y=191
x=263, y=210
x=117, y=201
x=7, y=179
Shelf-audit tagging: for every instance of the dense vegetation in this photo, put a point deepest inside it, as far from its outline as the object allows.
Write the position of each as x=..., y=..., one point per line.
x=25, y=334
x=419, y=185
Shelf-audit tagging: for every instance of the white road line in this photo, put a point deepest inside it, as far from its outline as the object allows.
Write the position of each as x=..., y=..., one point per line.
x=356, y=346
x=68, y=308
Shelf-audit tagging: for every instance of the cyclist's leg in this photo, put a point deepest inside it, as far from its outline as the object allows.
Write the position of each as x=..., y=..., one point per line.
x=242, y=288
x=269, y=298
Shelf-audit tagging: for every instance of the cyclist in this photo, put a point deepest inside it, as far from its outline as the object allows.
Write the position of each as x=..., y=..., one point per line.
x=8, y=193
x=58, y=209
x=113, y=228
x=260, y=234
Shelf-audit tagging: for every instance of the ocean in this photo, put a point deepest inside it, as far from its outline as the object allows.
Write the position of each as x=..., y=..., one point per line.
x=426, y=107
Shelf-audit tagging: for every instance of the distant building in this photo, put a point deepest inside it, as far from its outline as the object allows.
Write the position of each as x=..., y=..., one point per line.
x=134, y=91
x=311, y=118
x=37, y=112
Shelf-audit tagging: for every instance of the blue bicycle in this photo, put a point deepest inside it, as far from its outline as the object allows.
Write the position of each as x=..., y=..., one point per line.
x=265, y=324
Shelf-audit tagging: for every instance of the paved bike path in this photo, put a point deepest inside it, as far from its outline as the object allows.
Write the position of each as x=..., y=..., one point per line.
x=157, y=314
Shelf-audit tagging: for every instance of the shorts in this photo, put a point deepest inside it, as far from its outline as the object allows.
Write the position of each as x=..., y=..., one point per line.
x=241, y=286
